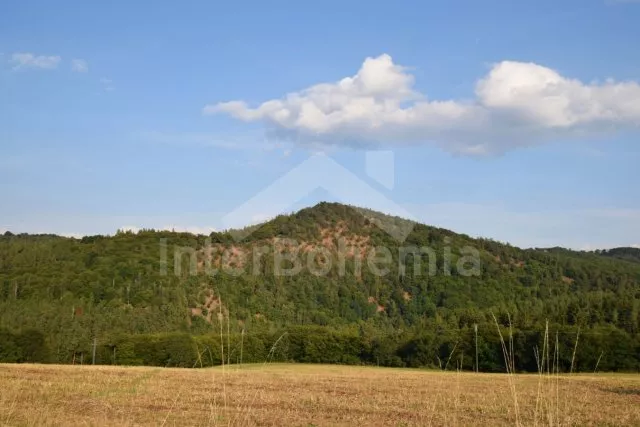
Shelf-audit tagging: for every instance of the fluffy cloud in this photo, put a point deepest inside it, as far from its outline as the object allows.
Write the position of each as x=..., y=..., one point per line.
x=79, y=65
x=541, y=97
x=515, y=104
x=29, y=60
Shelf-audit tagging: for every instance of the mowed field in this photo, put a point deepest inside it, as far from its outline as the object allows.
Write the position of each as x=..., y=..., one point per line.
x=306, y=395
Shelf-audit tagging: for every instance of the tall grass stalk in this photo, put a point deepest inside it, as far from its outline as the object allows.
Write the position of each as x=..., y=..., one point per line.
x=507, y=352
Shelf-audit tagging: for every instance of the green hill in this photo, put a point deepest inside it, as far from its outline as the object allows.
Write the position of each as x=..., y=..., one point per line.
x=322, y=281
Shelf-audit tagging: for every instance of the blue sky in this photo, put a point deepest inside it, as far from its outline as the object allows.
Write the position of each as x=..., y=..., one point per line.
x=517, y=121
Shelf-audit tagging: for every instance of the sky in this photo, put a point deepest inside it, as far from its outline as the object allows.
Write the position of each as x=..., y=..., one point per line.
x=517, y=121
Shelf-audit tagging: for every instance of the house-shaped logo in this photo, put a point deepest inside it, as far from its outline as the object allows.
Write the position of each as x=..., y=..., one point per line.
x=320, y=171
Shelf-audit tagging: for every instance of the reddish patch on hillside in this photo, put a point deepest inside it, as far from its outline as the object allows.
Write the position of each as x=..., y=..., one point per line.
x=209, y=256
x=307, y=247
x=379, y=308
x=220, y=256
x=211, y=304
x=339, y=237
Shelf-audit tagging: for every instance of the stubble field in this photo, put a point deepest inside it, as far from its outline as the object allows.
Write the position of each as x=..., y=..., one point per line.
x=309, y=395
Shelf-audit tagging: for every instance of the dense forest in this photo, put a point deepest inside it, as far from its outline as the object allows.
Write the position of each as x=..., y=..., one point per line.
x=303, y=287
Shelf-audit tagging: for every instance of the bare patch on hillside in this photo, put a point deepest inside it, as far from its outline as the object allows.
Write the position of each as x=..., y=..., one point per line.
x=210, y=305
x=339, y=238
x=221, y=257
x=379, y=308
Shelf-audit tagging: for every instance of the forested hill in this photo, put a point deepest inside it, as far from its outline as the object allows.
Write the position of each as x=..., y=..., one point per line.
x=320, y=272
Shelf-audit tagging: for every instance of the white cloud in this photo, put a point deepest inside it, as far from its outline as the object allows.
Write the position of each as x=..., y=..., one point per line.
x=130, y=228
x=515, y=104
x=107, y=84
x=29, y=60
x=79, y=65
x=543, y=98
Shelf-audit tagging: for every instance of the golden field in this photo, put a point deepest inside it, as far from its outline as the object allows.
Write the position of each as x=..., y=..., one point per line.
x=309, y=395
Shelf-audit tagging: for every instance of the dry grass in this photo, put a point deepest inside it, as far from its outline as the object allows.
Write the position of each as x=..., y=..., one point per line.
x=304, y=395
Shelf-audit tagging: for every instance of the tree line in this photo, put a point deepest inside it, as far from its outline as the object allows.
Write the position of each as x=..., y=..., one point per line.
x=604, y=349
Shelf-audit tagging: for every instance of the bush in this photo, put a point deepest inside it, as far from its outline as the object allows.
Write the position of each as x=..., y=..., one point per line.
x=28, y=346
x=10, y=352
